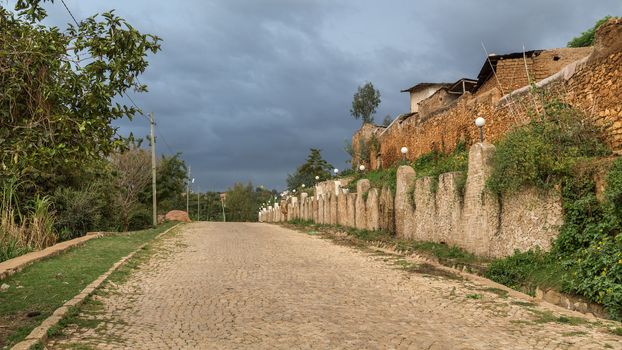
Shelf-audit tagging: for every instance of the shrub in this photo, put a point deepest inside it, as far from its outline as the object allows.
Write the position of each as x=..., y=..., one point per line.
x=140, y=219
x=78, y=211
x=545, y=151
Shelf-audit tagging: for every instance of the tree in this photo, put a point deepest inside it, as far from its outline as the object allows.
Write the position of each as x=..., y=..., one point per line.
x=365, y=102
x=58, y=92
x=171, y=173
x=387, y=120
x=133, y=173
x=306, y=173
x=587, y=38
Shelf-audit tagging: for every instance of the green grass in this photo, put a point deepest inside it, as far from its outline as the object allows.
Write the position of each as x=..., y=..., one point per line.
x=474, y=296
x=48, y=284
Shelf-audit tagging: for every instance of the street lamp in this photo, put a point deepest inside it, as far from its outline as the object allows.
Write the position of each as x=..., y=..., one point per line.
x=362, y=168
x=480, y=122
x=404, y=150
x=336, y=171
x=303, y=185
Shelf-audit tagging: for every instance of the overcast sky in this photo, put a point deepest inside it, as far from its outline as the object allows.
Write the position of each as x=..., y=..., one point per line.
x=243, y=88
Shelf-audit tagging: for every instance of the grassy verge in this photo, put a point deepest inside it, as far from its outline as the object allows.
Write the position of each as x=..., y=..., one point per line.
x=447, y=255
x=87, y=315
x=41, y=288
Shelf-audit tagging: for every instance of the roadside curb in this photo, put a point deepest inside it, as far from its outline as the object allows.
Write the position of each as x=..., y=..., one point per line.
x=40, y=334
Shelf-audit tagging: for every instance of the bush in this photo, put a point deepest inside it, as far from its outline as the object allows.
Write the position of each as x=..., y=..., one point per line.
x=140, y=219
x=591, y=241
x=545, y=151
x=88, y=209
x=524, y=271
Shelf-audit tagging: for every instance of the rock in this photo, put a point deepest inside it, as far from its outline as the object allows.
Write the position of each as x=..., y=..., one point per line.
x=177, y=215
x=4, y=287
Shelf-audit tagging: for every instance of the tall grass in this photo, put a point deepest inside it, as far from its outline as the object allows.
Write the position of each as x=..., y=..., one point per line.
x=20, y=233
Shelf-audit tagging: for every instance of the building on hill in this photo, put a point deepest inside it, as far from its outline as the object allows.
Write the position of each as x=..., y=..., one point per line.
x=441, y=115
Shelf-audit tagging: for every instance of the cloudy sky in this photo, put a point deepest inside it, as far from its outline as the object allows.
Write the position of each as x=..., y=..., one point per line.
x=243, y=88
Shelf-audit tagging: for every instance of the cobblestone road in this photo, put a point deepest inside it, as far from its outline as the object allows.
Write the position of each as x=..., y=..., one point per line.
x=258, y=286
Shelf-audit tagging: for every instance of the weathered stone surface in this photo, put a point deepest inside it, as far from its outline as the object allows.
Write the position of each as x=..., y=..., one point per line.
x=372, y=210
x=350, y=210
x=530, y=218
x=362, y=186
x=321, y=208
x=177, y=215
x=342, y=209
x=448, y=209
x=481, y=208
x=404, y=211
x=333, y=208
x=425, y=210
x=386, y=210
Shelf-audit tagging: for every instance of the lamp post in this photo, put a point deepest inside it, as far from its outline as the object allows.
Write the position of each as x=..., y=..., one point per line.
x=480, y=122
x=404, y=150
x=362, y=168
x=336, y=171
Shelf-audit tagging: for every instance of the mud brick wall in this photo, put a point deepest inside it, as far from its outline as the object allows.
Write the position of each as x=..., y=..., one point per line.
x=593, y=84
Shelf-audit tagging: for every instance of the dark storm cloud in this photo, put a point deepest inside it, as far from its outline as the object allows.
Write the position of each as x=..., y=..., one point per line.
x=244, y=88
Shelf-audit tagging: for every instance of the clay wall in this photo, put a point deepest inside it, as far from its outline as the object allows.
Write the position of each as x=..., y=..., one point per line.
x=593, y=84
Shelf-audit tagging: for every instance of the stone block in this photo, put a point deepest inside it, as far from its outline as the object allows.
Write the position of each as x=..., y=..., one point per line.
x=362, y=186
x=372, y=210
x=404, y=211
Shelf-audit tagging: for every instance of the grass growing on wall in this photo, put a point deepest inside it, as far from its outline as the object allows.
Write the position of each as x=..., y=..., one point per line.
x=545, y=151
x=431, y=164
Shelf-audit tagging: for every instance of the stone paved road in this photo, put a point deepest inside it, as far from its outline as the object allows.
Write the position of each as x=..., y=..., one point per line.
x=258, y=286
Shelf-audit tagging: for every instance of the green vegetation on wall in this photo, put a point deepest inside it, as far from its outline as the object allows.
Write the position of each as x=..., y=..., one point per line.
x=546, y=150
x=587, y=38
x=558, y=149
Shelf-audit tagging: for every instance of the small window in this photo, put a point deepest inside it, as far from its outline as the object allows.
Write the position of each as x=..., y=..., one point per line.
x=556, y=58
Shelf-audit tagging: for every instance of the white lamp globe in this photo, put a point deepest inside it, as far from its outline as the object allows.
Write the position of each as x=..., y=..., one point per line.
x=480, y=122
x=303, y=185
x=294, y=191
x=336, y=171
x=362, y=168
x=317, y=177
x=404, y=150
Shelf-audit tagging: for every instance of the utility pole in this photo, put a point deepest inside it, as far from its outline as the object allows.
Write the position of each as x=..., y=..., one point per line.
x=188, y=191
x=153, y=171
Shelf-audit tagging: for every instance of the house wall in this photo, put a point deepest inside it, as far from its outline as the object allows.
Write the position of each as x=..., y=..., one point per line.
x=420, y=95
x=593, y=84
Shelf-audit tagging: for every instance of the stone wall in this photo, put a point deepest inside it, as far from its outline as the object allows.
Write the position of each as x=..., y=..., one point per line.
x=592, y=84
x=427, y=209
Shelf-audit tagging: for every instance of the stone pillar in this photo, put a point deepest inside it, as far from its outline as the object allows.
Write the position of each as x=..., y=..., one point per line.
x=333, y=209
x=448, y=208
x=372, y=210
x=314, y=210
x=342, y=210
x=362, y=186
x=350, y=210
x=387, y=212
x=425, y=212
x=404, y=211
x=481, y=208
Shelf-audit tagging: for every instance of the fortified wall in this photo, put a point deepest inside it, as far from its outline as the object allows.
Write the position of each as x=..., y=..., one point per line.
x=589, y=79
x=475, y=220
